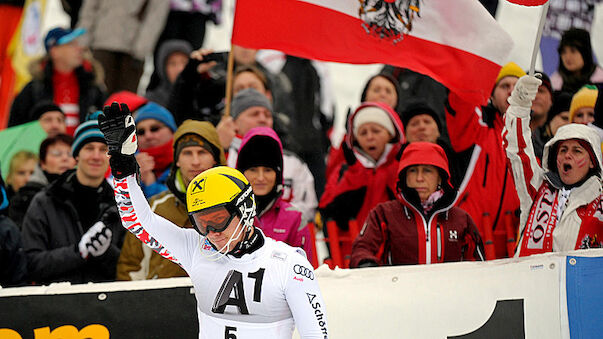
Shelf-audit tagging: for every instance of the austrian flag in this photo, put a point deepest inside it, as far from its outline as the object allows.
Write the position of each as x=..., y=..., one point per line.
x=456, y=42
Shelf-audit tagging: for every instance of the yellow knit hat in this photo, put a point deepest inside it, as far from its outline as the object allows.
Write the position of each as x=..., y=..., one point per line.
x=510, y=69
x=585, y=97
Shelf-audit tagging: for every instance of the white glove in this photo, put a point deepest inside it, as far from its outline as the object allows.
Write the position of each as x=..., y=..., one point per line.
x=524, y=91
x=96, y=241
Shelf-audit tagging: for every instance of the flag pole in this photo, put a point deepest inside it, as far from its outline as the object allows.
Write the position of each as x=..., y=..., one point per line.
x=229, y=70
x=545, y=9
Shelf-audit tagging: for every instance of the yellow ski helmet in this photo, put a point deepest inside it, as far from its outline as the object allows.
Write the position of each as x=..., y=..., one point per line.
x=218, y=188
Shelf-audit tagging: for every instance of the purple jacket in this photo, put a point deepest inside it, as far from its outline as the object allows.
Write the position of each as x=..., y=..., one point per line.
x=279, y=220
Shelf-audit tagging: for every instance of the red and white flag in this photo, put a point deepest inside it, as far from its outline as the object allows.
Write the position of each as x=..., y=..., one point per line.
x=456, y=42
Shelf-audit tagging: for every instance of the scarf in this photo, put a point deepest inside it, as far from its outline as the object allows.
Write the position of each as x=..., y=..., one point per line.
x=163, y=156
x=433, y=198
x=547, y=208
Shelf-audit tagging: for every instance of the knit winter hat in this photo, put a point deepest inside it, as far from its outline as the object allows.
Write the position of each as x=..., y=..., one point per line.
x=155, y=111
x=44, y=106
x=261, y=146
x=87, y=132
x=375, y=115
x=546, y=81
x=194, y=140
x=585, y=97
x=510, y=69
x=417, y=108
x=248, y=98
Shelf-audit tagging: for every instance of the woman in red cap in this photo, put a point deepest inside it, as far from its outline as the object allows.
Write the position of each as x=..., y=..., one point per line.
x=421, y=226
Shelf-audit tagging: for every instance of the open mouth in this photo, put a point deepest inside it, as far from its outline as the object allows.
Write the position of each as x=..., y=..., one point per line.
x=567, y=167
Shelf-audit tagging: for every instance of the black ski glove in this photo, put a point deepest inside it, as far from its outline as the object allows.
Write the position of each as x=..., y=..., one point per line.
x=119, y=129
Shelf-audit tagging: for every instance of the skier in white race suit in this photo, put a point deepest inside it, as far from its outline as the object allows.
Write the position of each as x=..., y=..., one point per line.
x=246, y=285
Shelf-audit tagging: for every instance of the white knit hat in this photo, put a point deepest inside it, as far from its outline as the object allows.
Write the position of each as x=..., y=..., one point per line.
x=376, y=115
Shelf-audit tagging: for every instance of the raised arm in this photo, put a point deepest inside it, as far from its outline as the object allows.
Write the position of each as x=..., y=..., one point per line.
x=165, y=238
x=465, y=124
x=517, y=141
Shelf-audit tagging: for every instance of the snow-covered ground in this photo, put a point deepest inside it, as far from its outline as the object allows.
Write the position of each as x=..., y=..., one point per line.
x=347, y=80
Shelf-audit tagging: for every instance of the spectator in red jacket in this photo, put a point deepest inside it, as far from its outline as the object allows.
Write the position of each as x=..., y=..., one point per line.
x=489, y=195
x=380, y=87
x=422, y=226
x=368, y=174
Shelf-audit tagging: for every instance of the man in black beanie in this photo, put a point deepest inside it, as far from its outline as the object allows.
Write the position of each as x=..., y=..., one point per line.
x=421, y=122
x=50, y=116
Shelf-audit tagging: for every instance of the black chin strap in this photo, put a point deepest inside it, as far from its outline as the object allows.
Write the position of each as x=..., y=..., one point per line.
x=249, y=244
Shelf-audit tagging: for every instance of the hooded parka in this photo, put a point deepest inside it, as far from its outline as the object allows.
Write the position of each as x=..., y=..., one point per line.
x=400, y=232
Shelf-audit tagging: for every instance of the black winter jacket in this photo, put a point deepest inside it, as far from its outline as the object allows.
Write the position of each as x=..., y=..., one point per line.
x=13, y=263
x=52, y=230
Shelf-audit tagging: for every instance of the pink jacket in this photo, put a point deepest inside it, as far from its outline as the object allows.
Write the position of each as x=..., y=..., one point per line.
x=279, y=220
x=283, y=222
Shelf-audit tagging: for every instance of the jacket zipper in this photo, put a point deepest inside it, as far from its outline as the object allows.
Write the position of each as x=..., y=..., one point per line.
x=439, y=239
x=426, y=224
x=427, y=245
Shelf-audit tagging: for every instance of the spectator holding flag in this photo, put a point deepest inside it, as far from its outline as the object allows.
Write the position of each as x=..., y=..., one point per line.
x=566, y=190
x=490, y=195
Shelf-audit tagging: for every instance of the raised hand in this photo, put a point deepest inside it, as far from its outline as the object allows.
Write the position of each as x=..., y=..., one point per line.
x=525, y=91
x=119, y=129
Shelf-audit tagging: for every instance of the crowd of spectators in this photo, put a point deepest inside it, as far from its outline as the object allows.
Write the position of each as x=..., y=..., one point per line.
x=428, y=176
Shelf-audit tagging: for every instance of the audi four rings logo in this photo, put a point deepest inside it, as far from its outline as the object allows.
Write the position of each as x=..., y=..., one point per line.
x=303, y=271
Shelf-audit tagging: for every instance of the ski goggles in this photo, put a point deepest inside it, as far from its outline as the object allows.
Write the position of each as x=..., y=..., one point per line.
x=215, y=219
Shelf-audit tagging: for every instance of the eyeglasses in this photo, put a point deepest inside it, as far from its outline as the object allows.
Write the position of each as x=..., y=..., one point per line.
x=152, y=129
x=57, y=153
x=214, y=219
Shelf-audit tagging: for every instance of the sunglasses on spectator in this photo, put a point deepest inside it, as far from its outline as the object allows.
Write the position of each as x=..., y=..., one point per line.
x=152, y=129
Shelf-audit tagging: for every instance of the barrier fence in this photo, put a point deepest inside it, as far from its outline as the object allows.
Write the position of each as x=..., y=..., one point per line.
x=554, y=295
